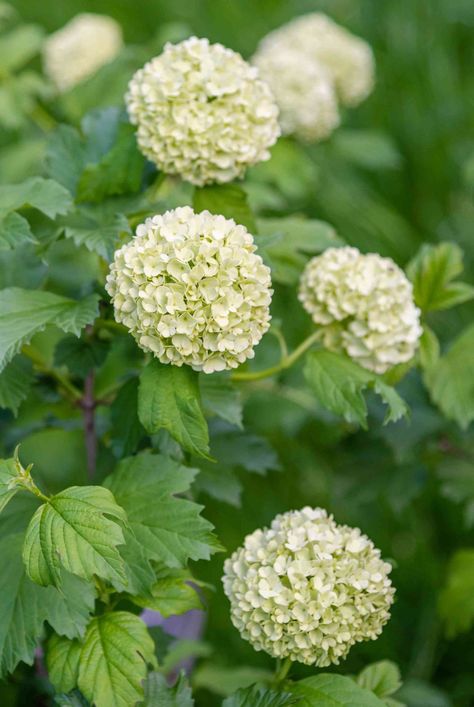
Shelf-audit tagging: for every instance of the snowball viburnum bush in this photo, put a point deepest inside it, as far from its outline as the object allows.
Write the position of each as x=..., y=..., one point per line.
x=365, y=306
x=78, y=49
x=307, y=588
x=202, y=112
x=192, y=290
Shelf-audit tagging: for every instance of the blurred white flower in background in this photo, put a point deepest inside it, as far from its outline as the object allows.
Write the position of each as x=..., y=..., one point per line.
x=202, y=112
x=77, y=50
x=365, y=306
x=192, y=290
x=303, y=56
x=307, y=588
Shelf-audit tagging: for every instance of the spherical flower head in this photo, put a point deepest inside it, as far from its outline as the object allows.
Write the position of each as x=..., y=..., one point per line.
x=303, y=90
x=80, y=48
x=307, y=588
x=316, y=38
x=192, y=290
x=202, y=112
x=364, y=304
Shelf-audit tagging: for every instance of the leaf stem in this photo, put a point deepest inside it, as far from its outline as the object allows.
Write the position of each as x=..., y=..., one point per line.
x=283, y=667
x=63, y=381
x=285, y=362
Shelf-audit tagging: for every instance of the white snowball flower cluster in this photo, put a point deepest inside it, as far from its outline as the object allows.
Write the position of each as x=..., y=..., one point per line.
x=80, y=48
x=308, y=588
x=192, y=290
x=311, y=63
x=202, y=112
x=364, y=304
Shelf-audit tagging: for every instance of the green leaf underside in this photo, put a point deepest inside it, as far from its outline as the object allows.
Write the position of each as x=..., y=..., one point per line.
x=229, y=200
x=328, y=690
x=338, y=383
x=456, y=602
x=25, y=606
x=169, y=529
x=169, y=398
x=23, y=313
x=15, y=382
x=46, y=195
x=159, y=694
x=79, y=530
x=256, y=696
x=8, y=472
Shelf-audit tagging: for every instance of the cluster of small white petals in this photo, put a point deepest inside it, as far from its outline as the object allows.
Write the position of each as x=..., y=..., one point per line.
x=202, y=112
x=308, y=588
x=311, y=63
x=80, y=48
x=192, y=290
x=364, y=303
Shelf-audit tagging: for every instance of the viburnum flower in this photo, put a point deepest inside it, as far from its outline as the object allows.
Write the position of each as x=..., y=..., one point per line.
x=307, y=588
x=364, y=304
x=202, y=112
x=303, y=90
x=80, y=48
x=192, y=290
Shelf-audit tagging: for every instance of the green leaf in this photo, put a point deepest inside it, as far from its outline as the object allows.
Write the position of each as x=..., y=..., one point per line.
x=127, y=430
x=221, y=398
x=26, y=606
x=382, y=678
x=80, y=355
x=159, y=694
x=432, y=271
x=450, y=380
x=256, y=696
x=119, y=172
x=98, y=233
x=429, y=348
x=15, y=231
x=224, y=680
x=78, y=530
x=15, y=383
x=62, y=661
x=113, y=661
x=170, y=529
x=73, y=699
x=338, y=383
x=169, y=398
x=46, y=195
x=65, y=156
x=230, y=200
x=329, y=690
x=19, y=46
x=456, y=601
x=171, y=594
x=23, y=313
x=8, y=474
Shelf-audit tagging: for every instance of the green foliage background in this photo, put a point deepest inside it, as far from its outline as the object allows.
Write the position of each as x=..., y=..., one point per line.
x=410, y=487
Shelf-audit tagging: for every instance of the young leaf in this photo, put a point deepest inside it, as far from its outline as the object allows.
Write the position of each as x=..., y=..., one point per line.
x=23, y=313
x=432, y=272
x=382, y=678
x=78, y=530
x=230, y=200
x=15, y=383
x=338, y=384
x=171, y=594
x=456, y=602
x=62, y=661
x=113, y=661
x=169, y=398
x=46, y=195
x=15, y=231
x=450, y=380
x=8, y=473
x=256, y=696
x=159, y=693
x=329, y=690
x=170, y=530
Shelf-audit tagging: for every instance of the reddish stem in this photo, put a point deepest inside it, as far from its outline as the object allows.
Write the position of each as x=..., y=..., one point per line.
x=88, y=405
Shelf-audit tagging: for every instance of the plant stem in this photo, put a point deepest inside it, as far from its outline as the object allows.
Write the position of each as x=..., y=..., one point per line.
x=284, y=363
x=282, y=669
x=63, y=381
x=88, y=405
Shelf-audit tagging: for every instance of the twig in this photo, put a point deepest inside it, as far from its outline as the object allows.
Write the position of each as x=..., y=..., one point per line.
x=88, y=405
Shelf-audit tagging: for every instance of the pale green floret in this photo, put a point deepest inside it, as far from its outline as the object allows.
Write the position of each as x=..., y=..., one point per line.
x=192, y=290
x=202, y=112
x=364, y=305
x=308, y=589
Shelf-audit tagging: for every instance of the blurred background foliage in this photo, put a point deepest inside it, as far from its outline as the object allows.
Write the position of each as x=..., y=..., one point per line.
x=399, y=172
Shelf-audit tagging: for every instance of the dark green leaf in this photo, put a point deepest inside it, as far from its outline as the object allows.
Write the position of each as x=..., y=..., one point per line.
x=127, y=430
x=65, y=157
x=256, y=696
x=456, y=602
x=98, y=233
x=229, y=200
x=328, y=690
x=159, y=694
x=15, y=383
x=79, y=355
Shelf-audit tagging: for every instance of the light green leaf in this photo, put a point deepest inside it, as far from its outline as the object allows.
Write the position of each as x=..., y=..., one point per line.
x=78, y=530
x=329, y=690
x=450, y=380
x=229, y=200
x=256, y=696
x=23, y=313
x=159, y=694
x=429, y=348
x=382, y=678
x=456, y=602
x=221, y=398
x=170, y=529
x=169, y=398
x=171, y=594
x=15, y=383
x=25, y=606
x=46, y=195
x=113, y=662
x=65, y=156
x=98, y=233
x=62, y=661
x=19, y=46
x=432, y=271
x=14, y=231
x=8, y=473
x=338, y=383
